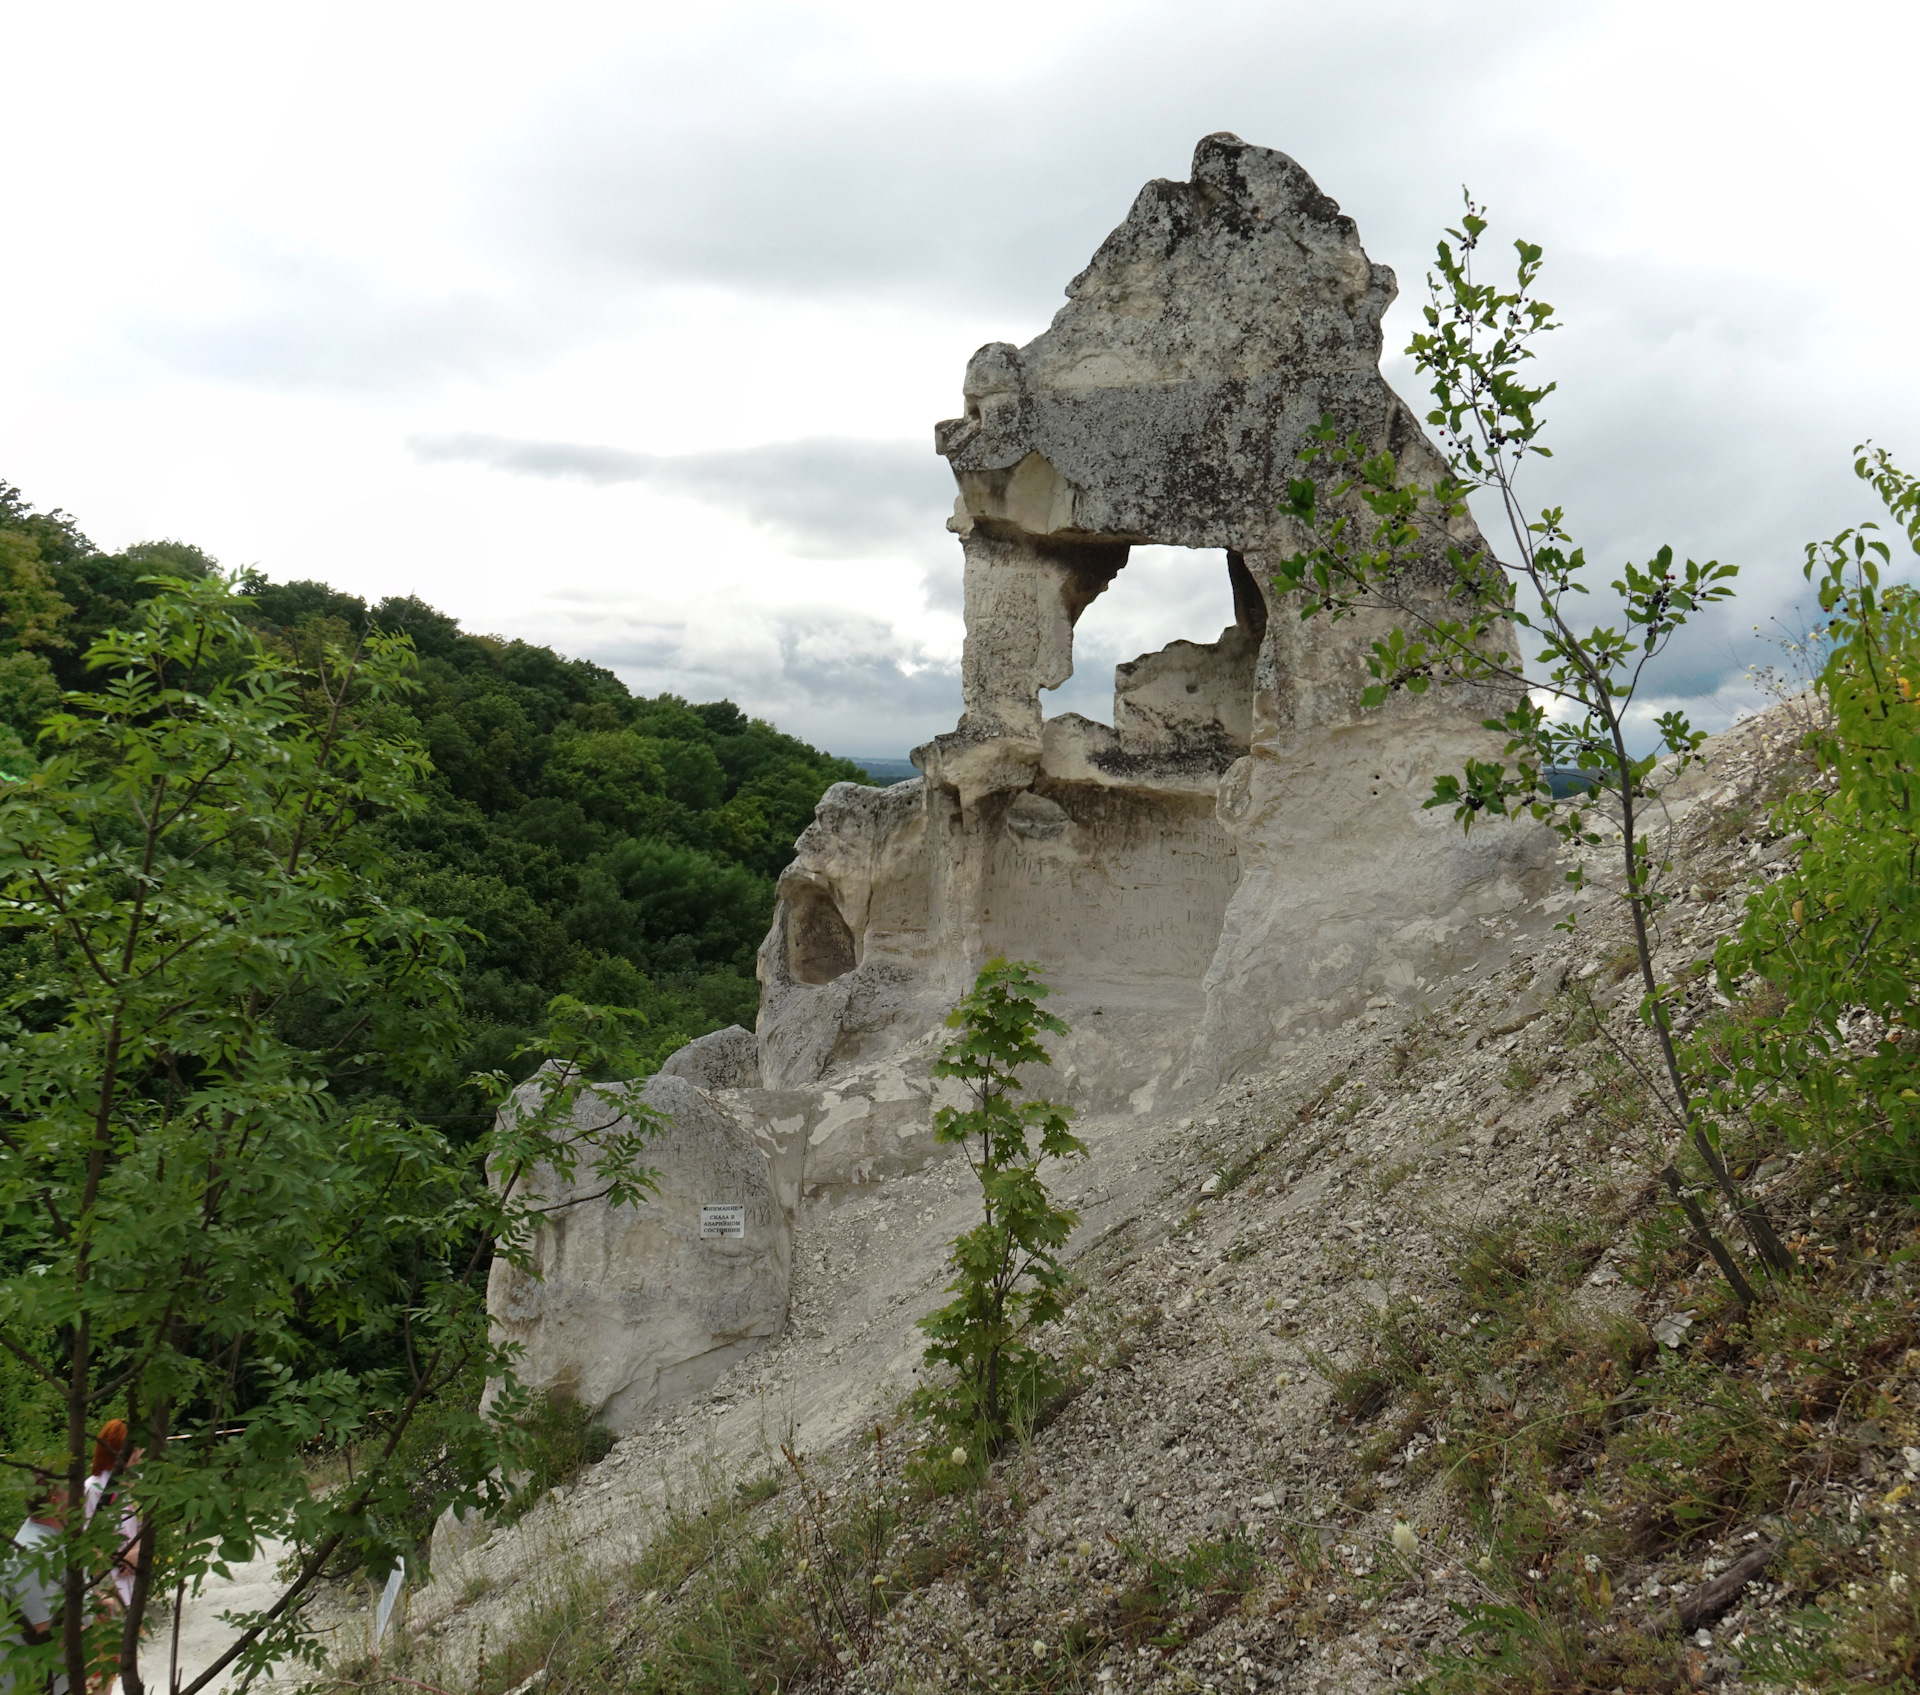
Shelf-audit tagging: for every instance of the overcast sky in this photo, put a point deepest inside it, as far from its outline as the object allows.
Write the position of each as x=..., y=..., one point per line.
x=624, y=327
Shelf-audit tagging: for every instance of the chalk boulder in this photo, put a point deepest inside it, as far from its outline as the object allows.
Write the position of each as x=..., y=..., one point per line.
x=725, y=1059
x=638, y=1305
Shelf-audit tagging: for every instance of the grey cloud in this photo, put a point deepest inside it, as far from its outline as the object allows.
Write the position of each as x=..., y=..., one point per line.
x=839, y=679
x=316, y=323
x=881, y=187
x=823, y=497
x=1709, y=412
x=995, y=191
x=943, y=581
x=1694, y=409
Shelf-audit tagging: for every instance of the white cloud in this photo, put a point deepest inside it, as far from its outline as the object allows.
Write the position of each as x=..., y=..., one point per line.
x=278, y=245
x=833, y=677
x=1165, y=594
x=825, y=498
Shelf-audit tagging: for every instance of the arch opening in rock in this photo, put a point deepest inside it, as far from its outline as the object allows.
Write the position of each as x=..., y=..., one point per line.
x=1162, y=596
x=1180, y=714
x=1113, y=865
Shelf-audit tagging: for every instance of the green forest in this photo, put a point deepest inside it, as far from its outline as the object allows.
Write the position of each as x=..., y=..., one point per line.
x=389, y=867
x=618, y=848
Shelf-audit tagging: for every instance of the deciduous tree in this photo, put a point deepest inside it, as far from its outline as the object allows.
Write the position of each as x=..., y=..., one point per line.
x=189, y=1210
x=1374, y=533
x=1009, y=1280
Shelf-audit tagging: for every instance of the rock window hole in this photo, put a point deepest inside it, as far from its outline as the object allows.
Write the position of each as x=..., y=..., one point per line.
x=1162, y=595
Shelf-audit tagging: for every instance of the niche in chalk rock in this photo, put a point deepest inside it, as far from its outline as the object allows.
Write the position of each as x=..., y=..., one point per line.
x=632, y=1306
x=819, y=945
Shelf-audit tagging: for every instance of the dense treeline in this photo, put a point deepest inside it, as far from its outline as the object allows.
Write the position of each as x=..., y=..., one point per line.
x=590, y=844
x=618, y=848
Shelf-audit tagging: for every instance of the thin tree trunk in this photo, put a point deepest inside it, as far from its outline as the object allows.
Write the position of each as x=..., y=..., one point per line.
x=73, y=1621
x=1749, y=1211
x=148, y=1545
x=1729, y=1268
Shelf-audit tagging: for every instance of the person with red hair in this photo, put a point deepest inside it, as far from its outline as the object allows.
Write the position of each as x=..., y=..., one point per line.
x=111, y=1457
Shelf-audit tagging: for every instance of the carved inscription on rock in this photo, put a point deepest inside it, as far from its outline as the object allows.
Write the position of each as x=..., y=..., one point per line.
x=1134, y=885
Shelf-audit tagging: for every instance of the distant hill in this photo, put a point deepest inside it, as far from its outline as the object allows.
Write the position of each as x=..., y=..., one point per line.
x=884, y=770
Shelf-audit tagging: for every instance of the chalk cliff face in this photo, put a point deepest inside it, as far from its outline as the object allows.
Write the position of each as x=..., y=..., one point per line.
x=1242, y=852
x=1239, y=859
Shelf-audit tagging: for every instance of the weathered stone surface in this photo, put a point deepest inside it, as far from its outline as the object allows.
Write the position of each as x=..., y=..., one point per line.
x=844, y=970
x=1167, y=400
x=632, y=1306
x=724, y=1059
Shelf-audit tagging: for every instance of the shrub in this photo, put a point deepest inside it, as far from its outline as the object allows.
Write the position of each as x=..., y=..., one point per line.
x=1010, y=1281
x=1837, y=941
x=561, y=1442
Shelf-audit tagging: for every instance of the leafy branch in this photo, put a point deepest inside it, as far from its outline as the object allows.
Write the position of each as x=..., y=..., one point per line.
x=1376, y=541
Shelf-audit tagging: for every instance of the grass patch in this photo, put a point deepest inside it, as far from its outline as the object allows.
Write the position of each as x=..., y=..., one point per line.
x=1582, y=1019
x=1309, y=1107
x=1236, y=1172
x=563, y=1441
x=1865, y=1631
x=751, y=1588
x=1178, y=1596
x=1616, y=1099
x=1390, y=1177
x=756, y=1490
x=1522, y=1075
x=1422, y=1039
x=1599, y=1468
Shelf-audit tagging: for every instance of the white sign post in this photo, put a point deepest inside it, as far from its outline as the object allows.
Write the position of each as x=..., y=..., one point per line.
x=723, y=1218
x=395, y=1580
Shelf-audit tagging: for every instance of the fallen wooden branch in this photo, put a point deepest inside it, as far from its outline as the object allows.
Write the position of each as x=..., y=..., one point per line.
x=1708, y=1602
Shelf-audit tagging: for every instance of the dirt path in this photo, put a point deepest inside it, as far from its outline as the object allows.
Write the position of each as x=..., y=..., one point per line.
x=204, y=1636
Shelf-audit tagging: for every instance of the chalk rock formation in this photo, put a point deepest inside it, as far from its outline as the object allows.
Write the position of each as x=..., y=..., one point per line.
x=1239, y=858
x=635, y=1306
x=723, y=1059
x=1242, y=852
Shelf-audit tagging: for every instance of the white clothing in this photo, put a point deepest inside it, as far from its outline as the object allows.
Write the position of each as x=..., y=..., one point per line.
x=96, y=1488
x=33, y=1593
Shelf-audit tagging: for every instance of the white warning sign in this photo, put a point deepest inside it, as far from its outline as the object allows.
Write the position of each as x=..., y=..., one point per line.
x=723, y=1218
